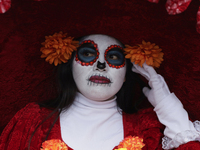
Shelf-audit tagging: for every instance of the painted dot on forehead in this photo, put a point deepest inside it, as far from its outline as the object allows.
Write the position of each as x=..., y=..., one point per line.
x=114, y=56
x=86, y=55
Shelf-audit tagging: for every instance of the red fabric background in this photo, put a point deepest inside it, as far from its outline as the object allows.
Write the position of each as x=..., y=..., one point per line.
x=25, y=77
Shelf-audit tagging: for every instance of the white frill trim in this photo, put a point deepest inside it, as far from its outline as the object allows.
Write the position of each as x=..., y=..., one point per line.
x=182, y=138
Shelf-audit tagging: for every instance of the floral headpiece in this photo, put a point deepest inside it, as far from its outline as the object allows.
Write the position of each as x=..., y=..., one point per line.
x=58, y=48
x=145, y=52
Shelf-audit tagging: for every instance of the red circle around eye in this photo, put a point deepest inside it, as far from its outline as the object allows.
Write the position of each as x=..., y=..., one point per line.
x=113, y=66
x=92, y=62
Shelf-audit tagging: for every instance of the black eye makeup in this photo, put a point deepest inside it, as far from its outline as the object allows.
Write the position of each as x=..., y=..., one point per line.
x=114, y=56
x=87, y=53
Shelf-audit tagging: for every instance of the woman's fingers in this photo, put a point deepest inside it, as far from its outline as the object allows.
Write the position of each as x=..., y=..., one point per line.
x=150, y=70
x=146, y=91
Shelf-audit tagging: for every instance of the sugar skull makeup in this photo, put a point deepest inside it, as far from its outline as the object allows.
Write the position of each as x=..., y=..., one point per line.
x=99, y=67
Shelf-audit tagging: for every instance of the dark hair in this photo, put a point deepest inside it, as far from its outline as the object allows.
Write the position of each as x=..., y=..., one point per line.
x=130, y=95
x=67, y=91
x=66, y=88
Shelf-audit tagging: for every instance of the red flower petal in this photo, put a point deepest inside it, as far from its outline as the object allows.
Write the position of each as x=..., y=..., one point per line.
x=174, y=7
x=4, y=5
x=154, y=1
x=198, y=20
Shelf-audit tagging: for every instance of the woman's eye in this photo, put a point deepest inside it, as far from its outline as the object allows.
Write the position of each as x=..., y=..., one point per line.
x=88, y=54
x=113, y=57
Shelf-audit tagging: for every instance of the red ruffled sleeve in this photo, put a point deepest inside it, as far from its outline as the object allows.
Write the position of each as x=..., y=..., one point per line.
x=17, y=133
x=189, y=146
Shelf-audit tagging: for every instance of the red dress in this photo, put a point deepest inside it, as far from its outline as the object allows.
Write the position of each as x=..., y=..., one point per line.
x=17, y=133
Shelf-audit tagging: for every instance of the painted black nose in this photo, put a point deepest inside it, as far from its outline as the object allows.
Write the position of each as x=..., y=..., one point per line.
x=101, y=65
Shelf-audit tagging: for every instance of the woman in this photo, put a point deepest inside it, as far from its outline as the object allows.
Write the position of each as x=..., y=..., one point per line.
x=94, y=109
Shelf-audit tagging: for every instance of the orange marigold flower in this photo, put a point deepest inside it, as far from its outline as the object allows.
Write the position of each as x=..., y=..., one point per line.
x=58, y=48
x=151, y=53
x=131, y=143
x=54, y=144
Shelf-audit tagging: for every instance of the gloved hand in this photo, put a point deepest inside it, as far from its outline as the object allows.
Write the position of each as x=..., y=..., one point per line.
x=168, y=107
x=159, y=89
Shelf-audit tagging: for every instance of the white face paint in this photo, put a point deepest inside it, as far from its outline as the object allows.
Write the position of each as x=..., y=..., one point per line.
x=94, y=78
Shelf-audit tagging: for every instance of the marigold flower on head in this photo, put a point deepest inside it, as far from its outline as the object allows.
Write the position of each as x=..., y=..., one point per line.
x=131, y=143
x=54, y=144
x=145, y=52
x=58, y=48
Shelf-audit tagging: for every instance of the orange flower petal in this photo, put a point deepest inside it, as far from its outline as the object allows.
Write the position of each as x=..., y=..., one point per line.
x=48, y=57
x=128, y=56
x=63, y=60
x=51, y=60
x=46, y=51
x=56, y=61
x=134, y=56
x=66, y=56
x=43, y=56
x=143, y=42
x=59, y=61
x=156, y=64
x=147, y=52
x=132, y=143
x=155, y=55
x=144, y=52
x=134, y=51
x=54, y=144
x=142, y=62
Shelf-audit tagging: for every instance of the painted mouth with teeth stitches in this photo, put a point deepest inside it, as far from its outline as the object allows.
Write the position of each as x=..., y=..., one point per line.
x=99, y=79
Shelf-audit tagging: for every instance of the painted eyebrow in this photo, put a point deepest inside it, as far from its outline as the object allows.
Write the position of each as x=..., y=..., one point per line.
x=89, y=45
x=117, y=49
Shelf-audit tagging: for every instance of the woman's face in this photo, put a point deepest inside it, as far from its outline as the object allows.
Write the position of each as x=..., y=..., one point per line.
x=99, y=67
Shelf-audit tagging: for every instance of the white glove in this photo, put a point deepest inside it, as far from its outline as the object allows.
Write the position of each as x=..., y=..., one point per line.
x=159, y=89
x=168, y=107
